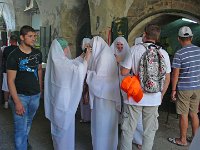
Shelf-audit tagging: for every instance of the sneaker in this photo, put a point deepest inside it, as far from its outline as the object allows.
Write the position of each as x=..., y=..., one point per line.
x=6, y=105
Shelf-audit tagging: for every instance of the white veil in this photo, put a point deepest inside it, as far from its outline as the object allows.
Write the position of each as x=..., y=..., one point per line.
x=126, y=47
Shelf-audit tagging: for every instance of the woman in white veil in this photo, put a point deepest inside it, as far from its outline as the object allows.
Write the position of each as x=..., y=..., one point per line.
x=62, y=92
x=120, y=48
x=102, y=79
x=138, y=134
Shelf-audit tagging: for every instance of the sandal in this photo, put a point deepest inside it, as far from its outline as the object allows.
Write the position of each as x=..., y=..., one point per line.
x=174, y=141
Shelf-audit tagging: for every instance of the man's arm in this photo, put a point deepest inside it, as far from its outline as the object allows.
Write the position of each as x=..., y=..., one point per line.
x=19, y=108
x=40, y=77
x=175, y=75
x=166, y=84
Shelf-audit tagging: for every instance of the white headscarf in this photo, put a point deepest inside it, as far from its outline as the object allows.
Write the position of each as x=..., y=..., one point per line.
x=85, y=41
x=63, y=86
x=102, y=75
x=126, y=47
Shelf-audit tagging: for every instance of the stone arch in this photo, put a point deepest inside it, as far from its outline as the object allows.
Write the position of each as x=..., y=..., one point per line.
x=149, y=11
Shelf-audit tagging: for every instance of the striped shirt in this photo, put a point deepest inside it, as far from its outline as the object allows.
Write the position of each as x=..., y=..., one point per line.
x=188, y=60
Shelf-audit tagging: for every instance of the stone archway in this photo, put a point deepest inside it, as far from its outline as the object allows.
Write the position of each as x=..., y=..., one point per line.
x=142, y=12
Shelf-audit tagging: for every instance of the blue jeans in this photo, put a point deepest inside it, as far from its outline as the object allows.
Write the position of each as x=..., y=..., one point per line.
x=22, y=124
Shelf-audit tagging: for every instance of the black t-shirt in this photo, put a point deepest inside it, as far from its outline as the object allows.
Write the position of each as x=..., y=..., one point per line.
x=6, y=52
x=26, y=65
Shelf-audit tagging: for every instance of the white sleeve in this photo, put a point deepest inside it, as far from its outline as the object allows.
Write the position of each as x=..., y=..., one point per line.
x=127, y=62
x=167, y=61
x=79, y=58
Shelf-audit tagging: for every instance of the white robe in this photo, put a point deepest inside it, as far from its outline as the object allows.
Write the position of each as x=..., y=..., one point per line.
x=103, y=82
x=62, y=93
x=122, y=54
x=196, y=141
x=137, y=136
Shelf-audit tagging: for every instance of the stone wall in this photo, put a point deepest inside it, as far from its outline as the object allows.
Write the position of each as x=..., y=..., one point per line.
x=62, y=16
x=50, y=15
x=139, y=12
x=22, y=18
x=65, y=16
x=106, y=11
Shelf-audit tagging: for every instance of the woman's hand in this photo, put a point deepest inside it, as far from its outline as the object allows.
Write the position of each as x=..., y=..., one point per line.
x=88, y=54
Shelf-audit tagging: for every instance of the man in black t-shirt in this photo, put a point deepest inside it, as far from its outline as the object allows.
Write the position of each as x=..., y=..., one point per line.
x=24, y=71
x=6, y=52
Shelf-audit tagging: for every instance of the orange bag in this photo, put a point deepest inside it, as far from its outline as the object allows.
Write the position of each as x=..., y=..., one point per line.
x=131, y=85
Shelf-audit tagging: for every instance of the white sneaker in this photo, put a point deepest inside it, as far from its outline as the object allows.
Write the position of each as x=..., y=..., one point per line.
x=6, y=105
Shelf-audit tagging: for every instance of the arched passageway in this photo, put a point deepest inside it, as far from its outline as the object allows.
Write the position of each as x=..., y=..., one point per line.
x=161, y=19
x=161, y=12
x=170, y=24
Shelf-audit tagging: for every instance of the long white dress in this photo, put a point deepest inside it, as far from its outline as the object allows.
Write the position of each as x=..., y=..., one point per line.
x=103, y=82
x=62, y=93
x=195, y=142
x=138, y=134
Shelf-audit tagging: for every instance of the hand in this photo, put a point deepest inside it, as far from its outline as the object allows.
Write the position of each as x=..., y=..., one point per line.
x=118, y=59
x=88, y=54
x=19, y=108
x=173, y=95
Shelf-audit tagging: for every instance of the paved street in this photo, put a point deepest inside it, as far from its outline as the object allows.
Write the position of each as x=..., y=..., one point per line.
x=40, y=137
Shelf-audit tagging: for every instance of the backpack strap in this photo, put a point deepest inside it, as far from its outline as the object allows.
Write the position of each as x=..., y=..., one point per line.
x=151, y=45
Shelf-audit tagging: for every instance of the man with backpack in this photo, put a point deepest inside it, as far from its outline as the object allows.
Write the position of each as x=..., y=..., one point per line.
x=154, y=79
x=186, y=84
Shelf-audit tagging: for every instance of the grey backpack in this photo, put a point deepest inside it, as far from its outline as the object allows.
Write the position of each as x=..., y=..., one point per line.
x=152, y=69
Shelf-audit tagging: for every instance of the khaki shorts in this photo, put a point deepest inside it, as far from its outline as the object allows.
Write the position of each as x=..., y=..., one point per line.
x=187, y=101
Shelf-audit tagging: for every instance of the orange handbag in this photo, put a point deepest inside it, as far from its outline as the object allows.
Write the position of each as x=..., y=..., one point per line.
x=131, y=85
